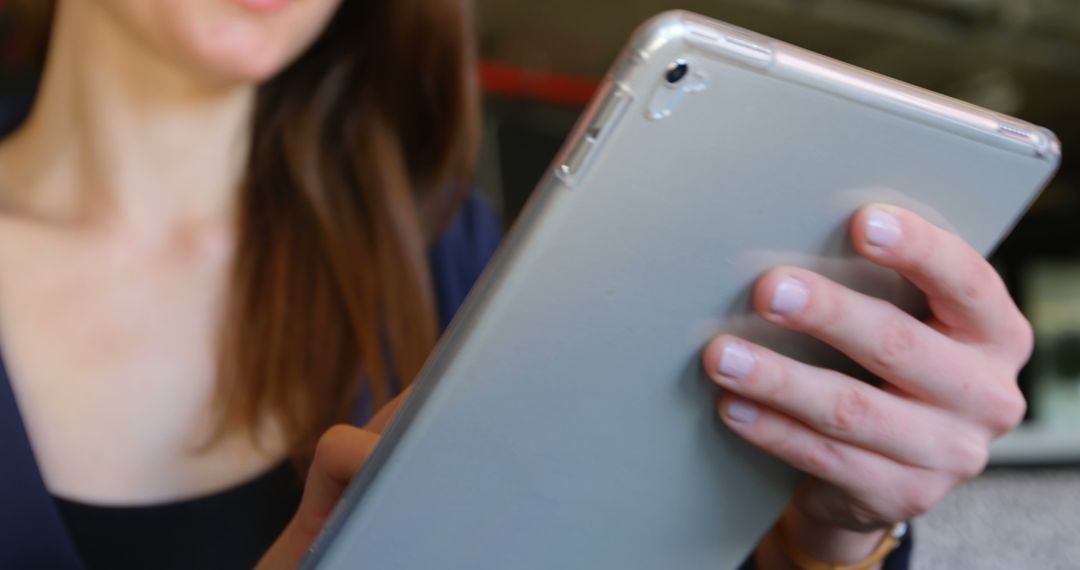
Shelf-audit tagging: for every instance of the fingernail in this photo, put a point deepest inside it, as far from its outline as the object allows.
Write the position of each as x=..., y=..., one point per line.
x=737, y=361
x=883, y=229
x=742, y=411
x=790, y=297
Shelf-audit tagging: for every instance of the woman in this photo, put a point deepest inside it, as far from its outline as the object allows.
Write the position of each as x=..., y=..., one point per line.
x=227, y=225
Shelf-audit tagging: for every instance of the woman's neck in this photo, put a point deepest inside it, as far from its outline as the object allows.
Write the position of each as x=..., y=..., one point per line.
x=125, y=137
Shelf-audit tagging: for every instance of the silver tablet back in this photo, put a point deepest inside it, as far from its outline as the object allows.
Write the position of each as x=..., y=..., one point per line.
x=563, y=421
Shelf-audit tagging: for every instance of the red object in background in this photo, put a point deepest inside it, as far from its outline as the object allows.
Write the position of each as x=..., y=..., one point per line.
x=544, y=87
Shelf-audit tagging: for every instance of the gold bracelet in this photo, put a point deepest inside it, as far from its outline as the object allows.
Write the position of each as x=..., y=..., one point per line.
x=804, y=561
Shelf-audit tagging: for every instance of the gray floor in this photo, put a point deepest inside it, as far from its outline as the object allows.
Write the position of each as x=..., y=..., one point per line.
x=1006, y=519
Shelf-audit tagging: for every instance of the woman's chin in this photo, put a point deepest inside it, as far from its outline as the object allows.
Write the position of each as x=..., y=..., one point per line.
x=238, y=45
x=241, y=70
x=236, y=55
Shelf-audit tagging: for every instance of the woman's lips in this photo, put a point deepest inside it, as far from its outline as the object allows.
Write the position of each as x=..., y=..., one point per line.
x=264, y=5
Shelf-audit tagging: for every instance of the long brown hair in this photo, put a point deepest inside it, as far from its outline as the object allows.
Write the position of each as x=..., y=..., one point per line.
x=359, y=151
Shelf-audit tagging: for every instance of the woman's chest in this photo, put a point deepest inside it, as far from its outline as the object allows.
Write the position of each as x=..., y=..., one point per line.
x=111, y=353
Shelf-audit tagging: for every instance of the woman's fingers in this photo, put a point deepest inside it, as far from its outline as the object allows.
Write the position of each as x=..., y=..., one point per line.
x=882, y=455
x=888, y=342
x=879, y=336
x=381, y=420
x=342, y=450
x=846, y=409
x=854, y=487
x=966, y=295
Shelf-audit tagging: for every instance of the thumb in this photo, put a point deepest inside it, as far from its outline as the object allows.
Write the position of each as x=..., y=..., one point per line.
x=341, y=451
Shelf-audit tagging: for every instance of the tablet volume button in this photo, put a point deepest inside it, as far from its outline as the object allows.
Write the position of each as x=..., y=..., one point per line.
x=575, y=161
x=599, y=126
x=612, y=106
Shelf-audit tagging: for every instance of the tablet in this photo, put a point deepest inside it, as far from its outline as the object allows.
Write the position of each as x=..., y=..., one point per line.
x=563, y=420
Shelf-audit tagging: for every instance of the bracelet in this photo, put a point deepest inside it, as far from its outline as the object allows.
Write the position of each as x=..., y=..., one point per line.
x=805, y=562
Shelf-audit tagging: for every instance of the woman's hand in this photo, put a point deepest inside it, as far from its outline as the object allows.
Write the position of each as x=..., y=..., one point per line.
x=342, y=450
x=876, y=456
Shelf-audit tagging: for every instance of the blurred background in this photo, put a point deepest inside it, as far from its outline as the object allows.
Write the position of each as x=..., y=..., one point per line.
x=541, y=62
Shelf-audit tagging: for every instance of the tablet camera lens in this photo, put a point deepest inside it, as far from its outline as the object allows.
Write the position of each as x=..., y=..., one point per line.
x=677, y=71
